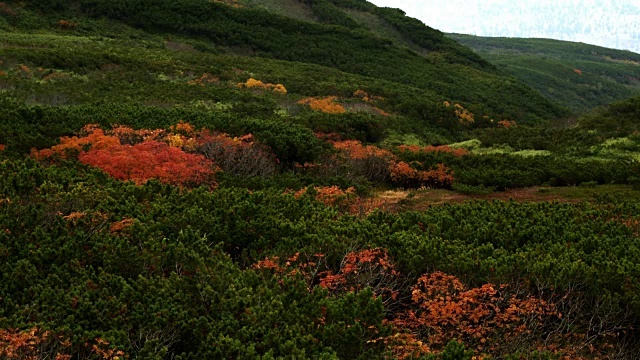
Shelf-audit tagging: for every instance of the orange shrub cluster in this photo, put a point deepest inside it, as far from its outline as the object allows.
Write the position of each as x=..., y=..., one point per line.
x=361, y=94
x=24, y=68
x=128, y=154
x=74, y=216
x=464, y=116
x=53, y=76
x=380, y=165
x=381, y=112
x=151, y=160
x=369, y=161
x=403, y=174
x=484, y=318
x=441, y=148
x=121, y=225
x=67, y=24
x=96, y=139
x=3, y=73
x=355, y=150
x=372, y=268
x=329, y=195
x=35, y=344
x=437, y=309
x=130, y=136
x=253, y=83
x=506, y=124
x=204, y=79
x=2, y=147
x=326, y=105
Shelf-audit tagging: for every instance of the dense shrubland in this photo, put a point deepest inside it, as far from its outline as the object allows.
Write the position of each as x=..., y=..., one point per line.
x=164, y=195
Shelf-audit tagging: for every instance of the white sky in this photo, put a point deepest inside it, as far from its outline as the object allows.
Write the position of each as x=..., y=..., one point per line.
x=609, y=23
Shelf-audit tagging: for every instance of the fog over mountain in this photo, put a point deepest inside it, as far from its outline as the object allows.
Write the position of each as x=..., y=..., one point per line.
x=609, y=23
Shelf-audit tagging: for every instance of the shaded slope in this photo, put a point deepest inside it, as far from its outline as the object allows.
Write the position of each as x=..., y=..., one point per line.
x=579, y=76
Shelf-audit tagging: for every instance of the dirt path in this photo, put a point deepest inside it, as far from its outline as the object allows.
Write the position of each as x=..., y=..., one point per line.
x=422, y=199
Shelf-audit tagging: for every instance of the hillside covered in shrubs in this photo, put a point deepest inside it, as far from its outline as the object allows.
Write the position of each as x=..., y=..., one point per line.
x=259, y=179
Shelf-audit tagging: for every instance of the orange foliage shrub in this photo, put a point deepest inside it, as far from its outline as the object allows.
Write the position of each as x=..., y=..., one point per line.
x=74, y=216
x=35, y=344
x=31, y=345
x=2, y=147
x=381, y=112
x=484, y=318
x=361, y=94
x=366, y=268
x=577, y=71
x=129, y=136
x=464, y=116
x=369, y=161
x=24, y=68
x=96, y=139
x=506, y=124
x=67, y=24
x=3, y=73
x=355, y=150
x=204, y=79
x=441, y=148
x=404, y=175
x=326, y=105
x=53, y=76
x=140, y=155
x=406, y=346
x=151, y=160
x=329, y=195
x=121, y=225
x=253, y=83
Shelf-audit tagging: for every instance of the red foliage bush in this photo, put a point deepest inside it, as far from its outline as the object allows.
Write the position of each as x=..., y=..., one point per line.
x=506, y=124
x=329, y=195
x=404, y=175
x=96, y=139
x=36, y=344
x=67, y=24
x=366, y=268
x=485, y=318
x=369, y=161
x=151, y=160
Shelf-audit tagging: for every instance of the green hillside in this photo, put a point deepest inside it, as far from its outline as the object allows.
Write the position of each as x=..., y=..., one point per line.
x=316, y=179
x=580, y=76
x=440, y=66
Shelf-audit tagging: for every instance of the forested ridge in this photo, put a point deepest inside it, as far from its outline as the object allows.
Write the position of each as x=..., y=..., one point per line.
x=261, y=179
x=580, y=76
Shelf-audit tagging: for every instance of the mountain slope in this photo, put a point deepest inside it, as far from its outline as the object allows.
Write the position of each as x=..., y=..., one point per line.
x=580, y=76
x=442, y=66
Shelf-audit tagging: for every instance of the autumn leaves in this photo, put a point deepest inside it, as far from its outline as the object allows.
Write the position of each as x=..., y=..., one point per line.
x=426, y=316
x=186, y=157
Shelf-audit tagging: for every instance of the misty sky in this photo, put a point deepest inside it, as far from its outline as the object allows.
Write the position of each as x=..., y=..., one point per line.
x=609, y=23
